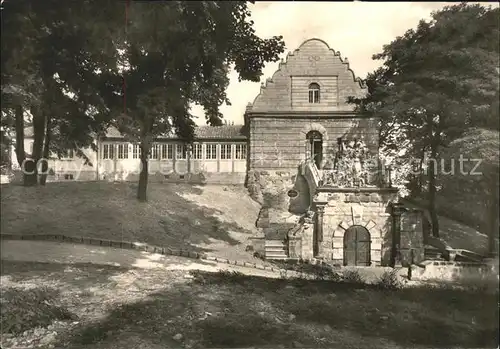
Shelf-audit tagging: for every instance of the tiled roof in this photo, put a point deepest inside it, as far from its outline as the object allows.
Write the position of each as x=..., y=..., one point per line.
x=200, y=132
x=220, y=132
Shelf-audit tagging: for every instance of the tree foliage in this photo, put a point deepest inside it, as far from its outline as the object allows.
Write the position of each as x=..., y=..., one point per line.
x=56, y=63
x=436, y=82
x=138, y=65
x=179, y=53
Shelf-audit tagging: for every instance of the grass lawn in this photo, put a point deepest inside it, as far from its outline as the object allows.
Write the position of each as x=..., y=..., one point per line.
x=211, y=218
x=118, y=308
x=214, y=219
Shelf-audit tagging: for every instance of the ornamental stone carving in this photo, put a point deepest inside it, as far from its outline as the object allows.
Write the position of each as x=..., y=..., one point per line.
x=352, y=166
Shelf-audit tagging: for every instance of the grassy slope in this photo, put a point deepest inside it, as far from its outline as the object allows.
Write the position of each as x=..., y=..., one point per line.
x=128, y=309
x=215, y=219
x=462, y=195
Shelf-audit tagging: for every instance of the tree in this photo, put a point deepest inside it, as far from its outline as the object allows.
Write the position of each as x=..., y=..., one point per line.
x=178, y=53
x=483, y=146
x=56, y=64
x=435, y=83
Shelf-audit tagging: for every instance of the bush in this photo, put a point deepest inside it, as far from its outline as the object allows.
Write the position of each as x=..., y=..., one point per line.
x=307, y=270
x=226, y=276
x=22, y=310
x=390, y=280
x=352, y=276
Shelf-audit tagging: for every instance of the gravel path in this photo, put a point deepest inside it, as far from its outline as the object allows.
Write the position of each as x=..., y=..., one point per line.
x=66, y=253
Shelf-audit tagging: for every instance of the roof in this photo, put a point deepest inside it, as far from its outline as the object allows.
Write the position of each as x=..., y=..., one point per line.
x=220, y=132
x=200, y=132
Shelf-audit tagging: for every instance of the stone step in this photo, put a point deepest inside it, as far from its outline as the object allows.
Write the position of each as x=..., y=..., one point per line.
x=432, y=253
x=276, y=256
x=273, y=243
x=467, y=256
x=275, y=249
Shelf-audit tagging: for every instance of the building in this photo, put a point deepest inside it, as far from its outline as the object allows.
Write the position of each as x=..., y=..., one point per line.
x=303, y=152
x=312, y=155
x=219, y=154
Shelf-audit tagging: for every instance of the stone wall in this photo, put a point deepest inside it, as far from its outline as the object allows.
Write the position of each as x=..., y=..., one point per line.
x=454, y=271
x=280, y=144
x=412, y=236
x=348, y=208
x=281, y=115
x=313, y=61
x=279, y=213
x=270, y=189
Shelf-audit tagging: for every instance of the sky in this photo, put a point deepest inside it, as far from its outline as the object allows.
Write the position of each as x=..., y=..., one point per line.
x=356, y=29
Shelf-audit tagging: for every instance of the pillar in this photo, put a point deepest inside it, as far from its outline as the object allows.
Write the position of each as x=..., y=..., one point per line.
x=397, y=211
x=320, y=210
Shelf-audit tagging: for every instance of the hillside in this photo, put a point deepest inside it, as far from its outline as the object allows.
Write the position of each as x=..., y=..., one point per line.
x=214, y=219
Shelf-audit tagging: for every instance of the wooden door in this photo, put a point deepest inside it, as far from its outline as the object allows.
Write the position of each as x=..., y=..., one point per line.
x=357, y=246
x=317, y=150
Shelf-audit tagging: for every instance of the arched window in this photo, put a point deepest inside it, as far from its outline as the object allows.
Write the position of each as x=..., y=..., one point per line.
x=314, y=93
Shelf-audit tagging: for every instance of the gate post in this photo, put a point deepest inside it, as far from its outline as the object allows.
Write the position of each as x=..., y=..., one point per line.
x=320, y=210
x=397, y=211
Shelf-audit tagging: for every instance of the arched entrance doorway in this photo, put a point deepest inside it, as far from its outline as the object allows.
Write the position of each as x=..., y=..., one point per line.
x=315, y=147
x=357, y=246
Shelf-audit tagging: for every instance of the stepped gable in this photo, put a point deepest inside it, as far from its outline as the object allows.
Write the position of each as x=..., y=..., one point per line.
x=312, y=61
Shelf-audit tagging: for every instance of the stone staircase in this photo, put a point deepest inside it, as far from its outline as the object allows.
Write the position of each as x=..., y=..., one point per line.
x=461, y=255
x=275, y=249
x=451, y=254
x=432, y=253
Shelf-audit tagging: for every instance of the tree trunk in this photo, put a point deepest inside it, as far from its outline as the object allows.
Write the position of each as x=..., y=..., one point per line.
x=493, y=229
x=420, y=173
x=31, y=173
x=27, y=165
x=492, y=216
x=19, y=125
x=432, y=191
x=142, y=189
x=46, y=154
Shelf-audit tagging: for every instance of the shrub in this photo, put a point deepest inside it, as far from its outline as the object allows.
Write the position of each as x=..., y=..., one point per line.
x=306, y=270
x=227, y=276
x=352, y=276
x=22, y=310
x=390, y=280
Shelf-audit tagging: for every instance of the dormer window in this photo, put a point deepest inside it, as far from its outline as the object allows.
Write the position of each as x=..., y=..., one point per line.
x=314, y=93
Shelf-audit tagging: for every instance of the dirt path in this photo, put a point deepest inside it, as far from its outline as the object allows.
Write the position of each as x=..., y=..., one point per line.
x=66, y=253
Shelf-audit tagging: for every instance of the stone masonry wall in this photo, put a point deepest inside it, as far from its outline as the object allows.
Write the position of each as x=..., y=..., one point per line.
x=313, y=61
x=270, y=189
x=370, y=210
x=280, y=144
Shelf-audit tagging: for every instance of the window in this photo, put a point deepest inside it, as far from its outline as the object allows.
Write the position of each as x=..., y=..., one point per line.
x=180, y=151
x=314, y=93
x=225, y=151
x=68, y=154
x=108, y=151
x=211, y=151
x=136, y=151
x=197, y=153
x=122, y=151
x=155, y=151
x=167, y=151
x=241, y=151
